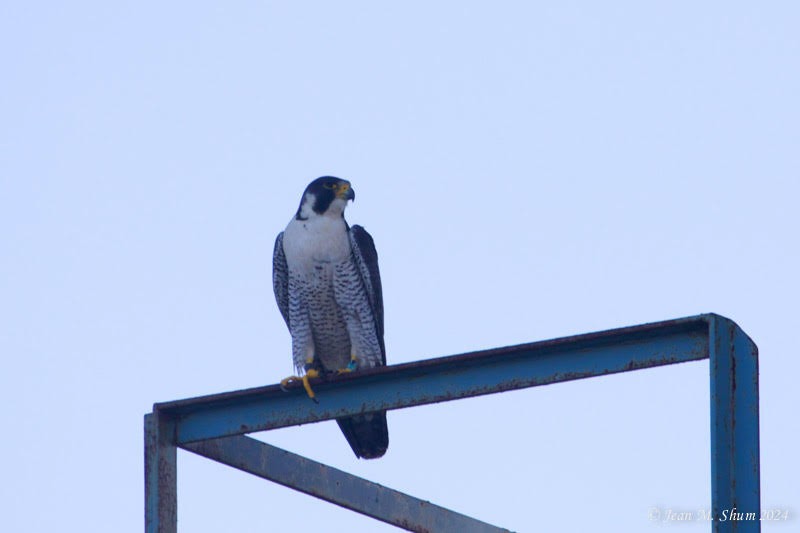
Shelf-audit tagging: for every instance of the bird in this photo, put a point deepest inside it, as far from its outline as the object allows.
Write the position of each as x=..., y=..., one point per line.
x=328, y=289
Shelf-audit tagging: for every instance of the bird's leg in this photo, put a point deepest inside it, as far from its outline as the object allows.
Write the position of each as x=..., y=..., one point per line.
x=310, y=373
x=352, y=366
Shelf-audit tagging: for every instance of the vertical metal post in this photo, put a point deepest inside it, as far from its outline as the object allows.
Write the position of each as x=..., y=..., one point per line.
x=160, y=475
x=735, y=484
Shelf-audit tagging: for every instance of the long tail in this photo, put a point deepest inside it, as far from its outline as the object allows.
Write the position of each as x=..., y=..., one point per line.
x=368, y=435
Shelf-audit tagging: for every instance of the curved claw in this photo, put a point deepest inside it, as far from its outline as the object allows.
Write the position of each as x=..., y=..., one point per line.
x=291, y=380
x=310, y=373
x=285, y=382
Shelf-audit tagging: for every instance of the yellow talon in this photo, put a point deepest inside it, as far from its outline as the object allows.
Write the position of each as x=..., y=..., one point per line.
x=310, y=373
x=285, y=382
x=352, y=366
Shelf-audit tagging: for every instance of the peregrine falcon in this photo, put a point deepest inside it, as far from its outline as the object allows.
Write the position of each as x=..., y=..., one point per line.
x=328, y=288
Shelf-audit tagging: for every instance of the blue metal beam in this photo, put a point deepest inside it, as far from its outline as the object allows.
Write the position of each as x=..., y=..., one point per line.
x=735, y=470
x=160, y=475
x=734, y=409
x=443, y=379
x=335, y=486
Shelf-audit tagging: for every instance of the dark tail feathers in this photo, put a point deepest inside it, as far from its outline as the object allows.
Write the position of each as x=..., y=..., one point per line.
x=367, y=434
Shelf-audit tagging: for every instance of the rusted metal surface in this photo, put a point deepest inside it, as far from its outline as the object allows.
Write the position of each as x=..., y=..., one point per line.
x=160, y=475
x=212, y=425
x=443, y=379
x=735, y=469
x=335, y=486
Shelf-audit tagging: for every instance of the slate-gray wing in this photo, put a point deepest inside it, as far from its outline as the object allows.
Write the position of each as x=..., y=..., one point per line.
x=368, y=434
x=366, y=257
x=280, y=278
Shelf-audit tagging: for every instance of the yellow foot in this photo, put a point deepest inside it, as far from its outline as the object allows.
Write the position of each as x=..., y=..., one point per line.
x=351, y=367
x=310, y=373
x=285, y=382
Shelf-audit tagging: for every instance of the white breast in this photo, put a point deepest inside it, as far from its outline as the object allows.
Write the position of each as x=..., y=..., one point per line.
x=320, y=239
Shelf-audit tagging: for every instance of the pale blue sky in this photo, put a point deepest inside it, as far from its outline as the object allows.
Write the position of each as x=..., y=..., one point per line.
x=528, y=171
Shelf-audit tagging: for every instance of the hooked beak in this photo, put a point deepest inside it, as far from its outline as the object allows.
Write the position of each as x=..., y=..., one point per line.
x=346, y=192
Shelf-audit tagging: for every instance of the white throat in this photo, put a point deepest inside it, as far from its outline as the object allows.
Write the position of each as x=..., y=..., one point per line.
x=318, y=239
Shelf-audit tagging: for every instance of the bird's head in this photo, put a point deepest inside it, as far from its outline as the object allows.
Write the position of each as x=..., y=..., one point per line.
x=325, y=196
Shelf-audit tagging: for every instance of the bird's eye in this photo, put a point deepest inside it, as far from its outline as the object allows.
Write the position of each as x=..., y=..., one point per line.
x=330, y=185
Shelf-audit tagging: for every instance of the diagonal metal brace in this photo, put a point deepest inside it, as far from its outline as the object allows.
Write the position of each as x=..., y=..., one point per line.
x=335, y=486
